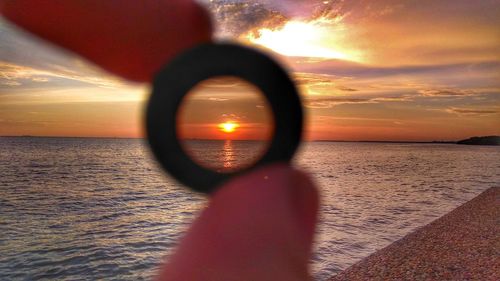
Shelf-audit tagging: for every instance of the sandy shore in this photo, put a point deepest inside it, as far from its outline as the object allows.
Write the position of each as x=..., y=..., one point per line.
x=462, y=245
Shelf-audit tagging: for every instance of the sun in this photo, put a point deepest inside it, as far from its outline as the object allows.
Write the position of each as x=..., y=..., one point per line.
x=228, y=127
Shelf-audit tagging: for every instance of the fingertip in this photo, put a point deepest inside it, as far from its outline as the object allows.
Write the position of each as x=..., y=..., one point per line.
x=279, y=188
x=257, y=225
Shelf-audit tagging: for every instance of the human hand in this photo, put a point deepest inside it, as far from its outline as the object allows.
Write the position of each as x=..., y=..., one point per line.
x=259, y=226
x=133, y=39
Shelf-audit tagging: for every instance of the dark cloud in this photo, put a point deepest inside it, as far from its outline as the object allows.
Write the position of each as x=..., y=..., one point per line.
x=306, y=9
x=235, y=18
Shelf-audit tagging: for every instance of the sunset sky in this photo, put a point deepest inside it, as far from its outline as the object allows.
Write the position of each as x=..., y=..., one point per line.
x=366, y=70
x=225, y=108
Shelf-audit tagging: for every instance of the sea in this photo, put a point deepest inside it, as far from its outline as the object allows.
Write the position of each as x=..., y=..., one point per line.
x=102, y=209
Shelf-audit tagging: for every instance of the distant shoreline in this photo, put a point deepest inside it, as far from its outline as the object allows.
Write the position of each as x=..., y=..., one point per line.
x=389, y=141
x=141, y=138
x=312, y=141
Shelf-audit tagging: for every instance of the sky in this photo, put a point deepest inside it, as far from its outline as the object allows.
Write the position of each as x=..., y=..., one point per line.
x=366, y=70
x=225, y=102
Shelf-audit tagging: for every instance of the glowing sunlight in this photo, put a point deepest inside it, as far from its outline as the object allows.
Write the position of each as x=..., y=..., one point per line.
x=315, y=39
x=228, y=127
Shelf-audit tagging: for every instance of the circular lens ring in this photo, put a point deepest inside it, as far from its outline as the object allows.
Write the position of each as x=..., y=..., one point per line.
x=206, y=61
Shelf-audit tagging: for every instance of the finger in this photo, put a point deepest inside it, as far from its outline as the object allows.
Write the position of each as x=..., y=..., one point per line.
x=257, y=227
x=133, y=39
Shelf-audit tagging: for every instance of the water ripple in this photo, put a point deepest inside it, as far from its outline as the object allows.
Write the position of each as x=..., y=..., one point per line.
x=96, y=209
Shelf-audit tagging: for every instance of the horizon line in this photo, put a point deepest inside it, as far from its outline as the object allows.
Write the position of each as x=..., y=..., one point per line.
x=318, y=140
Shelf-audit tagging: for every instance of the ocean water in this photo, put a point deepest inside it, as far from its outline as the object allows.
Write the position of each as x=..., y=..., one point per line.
x=225, y=156
x=101, y=209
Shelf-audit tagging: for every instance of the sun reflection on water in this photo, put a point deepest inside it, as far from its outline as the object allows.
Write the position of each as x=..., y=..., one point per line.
x=228, y=155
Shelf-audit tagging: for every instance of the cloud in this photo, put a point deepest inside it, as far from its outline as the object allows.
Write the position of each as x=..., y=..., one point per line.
x=418, y=33
x=302, y=78
x=331, y=102
x=222, y=83
x=9, y=83
x=312, y=81
x=15, y=75
x=217, y=99
x=40, y=79
x=347, y=89
x=446, y=93
x=393, y=99
x=27, y=60
x=307, y=9
x=351, y=69
x=471, y=111
x=234, y=18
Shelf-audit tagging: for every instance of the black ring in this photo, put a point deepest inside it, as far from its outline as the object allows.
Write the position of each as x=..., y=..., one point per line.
x=206, y=61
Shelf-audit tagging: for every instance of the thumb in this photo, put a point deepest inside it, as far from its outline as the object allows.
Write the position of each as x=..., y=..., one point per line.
x=257, y=227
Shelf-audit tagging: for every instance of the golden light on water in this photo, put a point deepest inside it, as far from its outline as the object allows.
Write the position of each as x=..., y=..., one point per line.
x=313, y=39
x=228, y=127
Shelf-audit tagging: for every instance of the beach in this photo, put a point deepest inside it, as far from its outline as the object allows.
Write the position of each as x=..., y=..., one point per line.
x=462, y=245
